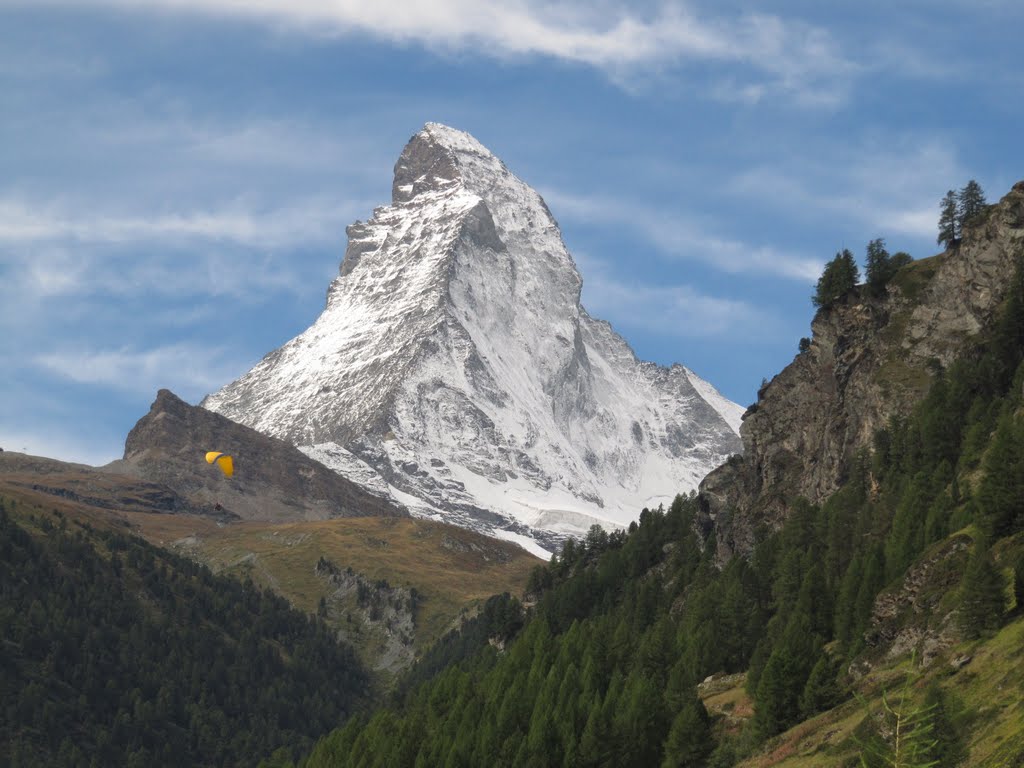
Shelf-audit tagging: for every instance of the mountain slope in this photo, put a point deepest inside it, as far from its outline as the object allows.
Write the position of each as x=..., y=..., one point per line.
x=911, y=563
x=118, y=653
x=359, y=566
x=871, y=358
x=272, y=481
x=454, y=369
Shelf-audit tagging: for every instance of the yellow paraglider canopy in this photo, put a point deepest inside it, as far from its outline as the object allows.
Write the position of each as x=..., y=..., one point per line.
x=222, y=460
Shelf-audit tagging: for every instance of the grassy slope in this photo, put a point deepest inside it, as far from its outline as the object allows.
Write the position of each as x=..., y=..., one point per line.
x=990, y=686
x=451, y=569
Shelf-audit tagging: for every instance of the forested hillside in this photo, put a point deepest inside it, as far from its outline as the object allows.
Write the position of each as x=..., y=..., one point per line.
x=115, y=652
x=604, y=671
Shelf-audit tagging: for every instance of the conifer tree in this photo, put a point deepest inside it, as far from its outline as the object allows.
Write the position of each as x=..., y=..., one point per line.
x=877, y=266
x=982, y=593
x=872, y=582
x=785, y=676
x=999, y=493
x=970, y=202
x=822, y=690
x=949, y=220
x=689, y=739
x=846, y=606
x=912, y=736
x=949, y=749
x=839, y=277
x=907, y=537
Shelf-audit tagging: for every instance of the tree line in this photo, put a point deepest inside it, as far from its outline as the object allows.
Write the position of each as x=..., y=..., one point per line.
x=842, y=273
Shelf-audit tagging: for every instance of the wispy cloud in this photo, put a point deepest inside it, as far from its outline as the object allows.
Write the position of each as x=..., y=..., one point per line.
x=676, y=236
x=304, y=222
x=185, y=367
x=890, y=189
x=55, y=296
x=789, y=56
x=677, y=310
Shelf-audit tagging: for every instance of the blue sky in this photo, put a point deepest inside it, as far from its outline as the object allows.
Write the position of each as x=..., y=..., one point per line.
x=176, y=175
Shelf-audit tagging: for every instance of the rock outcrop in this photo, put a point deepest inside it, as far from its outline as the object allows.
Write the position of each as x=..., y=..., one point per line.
x=917, y=615
x=870, y=358
x=273, y=480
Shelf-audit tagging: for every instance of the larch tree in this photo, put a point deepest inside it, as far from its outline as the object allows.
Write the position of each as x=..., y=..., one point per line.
x=949, y=220
x=970, y=201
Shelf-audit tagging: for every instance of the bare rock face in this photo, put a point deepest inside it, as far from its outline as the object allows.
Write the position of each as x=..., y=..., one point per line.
x=89, y=486
x=870, y=358
x=454, y=368
x=273, y=480
x=917, y=615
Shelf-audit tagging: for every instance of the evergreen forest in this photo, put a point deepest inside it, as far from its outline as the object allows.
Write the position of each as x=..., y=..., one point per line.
x=620, y=628
x=116, y=652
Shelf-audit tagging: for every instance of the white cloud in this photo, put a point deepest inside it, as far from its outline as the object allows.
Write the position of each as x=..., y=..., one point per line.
x=890, y=189
x=49, y=294
x=792, y=56
x=184, y=367
x=678, y=310
x=316, y=221
x=673, y=234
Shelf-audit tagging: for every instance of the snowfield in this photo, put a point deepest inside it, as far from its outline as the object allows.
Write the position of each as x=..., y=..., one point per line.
x=455, y=371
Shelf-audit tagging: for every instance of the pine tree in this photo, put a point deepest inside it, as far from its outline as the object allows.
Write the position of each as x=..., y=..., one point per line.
x=949, y=749
x=999, y=493
x=949, y=220
x=846, y=607
x=877, y=266
x=871, y=584
x=912, y=736
x=839, y=277
x=982, y=593
x=907, y=537
x=689, y=739
x=822, y=690
x=784, y=677
x=970, y=202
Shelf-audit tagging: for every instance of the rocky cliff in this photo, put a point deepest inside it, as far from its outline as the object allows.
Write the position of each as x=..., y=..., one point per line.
x=273, y=480
x=870, y=358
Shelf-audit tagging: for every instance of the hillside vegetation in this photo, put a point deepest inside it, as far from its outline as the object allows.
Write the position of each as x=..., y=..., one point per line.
x=914, y=556
x=367, y=565
x=116, y=652
x=399, y=583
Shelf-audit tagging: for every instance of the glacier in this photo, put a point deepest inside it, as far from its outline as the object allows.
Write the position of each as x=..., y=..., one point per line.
x=454, y=370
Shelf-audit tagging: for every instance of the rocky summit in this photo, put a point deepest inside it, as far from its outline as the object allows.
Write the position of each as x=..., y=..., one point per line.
x=454, y=370
x=272, y=481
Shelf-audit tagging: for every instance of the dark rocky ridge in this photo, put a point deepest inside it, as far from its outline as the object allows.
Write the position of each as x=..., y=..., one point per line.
x=273, y=480
x=870, y=358
x=89, y=486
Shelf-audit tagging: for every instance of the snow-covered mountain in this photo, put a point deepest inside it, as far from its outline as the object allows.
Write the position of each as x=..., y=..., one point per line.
x=454, y=370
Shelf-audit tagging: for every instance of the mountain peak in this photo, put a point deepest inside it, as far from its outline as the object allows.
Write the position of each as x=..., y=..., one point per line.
x=440, y=157
x=455, y=369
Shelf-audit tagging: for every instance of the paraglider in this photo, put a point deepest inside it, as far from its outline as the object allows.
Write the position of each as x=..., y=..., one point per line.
x=223, y=461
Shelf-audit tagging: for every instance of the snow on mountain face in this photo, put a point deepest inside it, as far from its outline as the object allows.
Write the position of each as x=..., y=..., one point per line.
x=454, y=370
